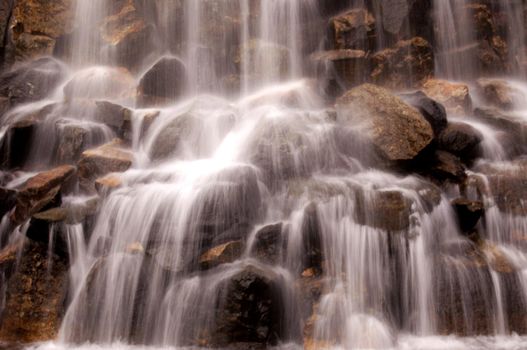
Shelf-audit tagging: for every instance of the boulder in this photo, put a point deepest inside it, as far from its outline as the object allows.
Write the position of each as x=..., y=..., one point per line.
x=106, y=184
x=175, y=137
x=347, y=67
x=7, y=201
x=39, y=191
x=35, y=26
x=407, y=64
x=454, y=96
x=100, y=83
x=312, y=249
x=434, y=112
x=35, y=296
x=385, y=210
x=460, y=139
x=398, y=130
x=71, y=142
x=269, y=243
x=163, y=83
x=250, y=309
x=445, y=166
x=31, y=81
x=222, y=254
x=102, y=160
x=113, y=115
x=354, y=29
x=468, y=213
x=499, y=93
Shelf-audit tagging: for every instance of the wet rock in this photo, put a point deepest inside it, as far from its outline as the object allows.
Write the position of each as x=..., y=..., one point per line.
x=408, y=63
x=269, y=243
x=385, y=210
x=460, y=139
x=113, y=115
x=35, y=296
x=445, y=166
x=347, y=67
x=398, y=130
x=7, y=200
x=468, y=213
x=250, y=309
x=39, y=191
x=433, y=111
x=31, y=81
x=175, y=137
x=312, y=249
x=100, y=83
x=100, y=161
x=498, y=93
x=250, y=53
x=163, y=83
x=222, y=254
x=354, y=30
x=454, y=96
x=70, y=214
x=106, y=184
x=35, y=26
x=71, y=141
x=128, y=36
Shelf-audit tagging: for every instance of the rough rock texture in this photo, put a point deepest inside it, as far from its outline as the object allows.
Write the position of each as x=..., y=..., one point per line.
x=398, y=130
x=454, y=96
x=35, y=26
x=354, y=29
x=433, y=111
x=460, y=139
x=39, y=191
x=408, y=63
x=105, y=159
x=35, y=296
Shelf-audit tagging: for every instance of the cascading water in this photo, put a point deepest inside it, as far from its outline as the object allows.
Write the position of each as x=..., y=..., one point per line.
x=244, y=192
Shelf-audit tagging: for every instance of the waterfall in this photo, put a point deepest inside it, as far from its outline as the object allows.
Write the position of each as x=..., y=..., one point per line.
x=226, y=195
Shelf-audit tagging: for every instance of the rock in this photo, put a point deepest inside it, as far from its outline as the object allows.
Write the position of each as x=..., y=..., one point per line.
x=102, y=160
x=163, y=83
x=269, y=243
x=35, y=298
x=222, y=254
x=407, y=64
x=39, y=191
x=460, y=139
x=106, y=184
x=100, y=83
x=312, y=249
x=499, y=93
x=468, y=213
x=113, y=115
x=70, y=214
x=31, y=81
x=398, y=130
x=128, y=36
x=385, y=210
x=250, y=55
x=354, y=30
x=347, y=67
x=433, y=111
x=7, y=201
x=184, y=131
x=250, y=309
x=454, y=96
x=445, y=166
x=35, y=26
x=71, y=141
x=394, y=15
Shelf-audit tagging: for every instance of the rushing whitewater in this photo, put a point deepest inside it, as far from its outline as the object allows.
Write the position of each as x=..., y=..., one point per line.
x=244, y=154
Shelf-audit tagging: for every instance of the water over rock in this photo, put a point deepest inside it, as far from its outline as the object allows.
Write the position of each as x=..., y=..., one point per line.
x=454, y=96
x=398, y=130
x=165, y=81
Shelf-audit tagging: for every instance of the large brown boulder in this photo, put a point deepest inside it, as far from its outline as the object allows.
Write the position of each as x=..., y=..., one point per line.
x=408, y=63
x=36, y=25
x=39, y=191
x=398, y=130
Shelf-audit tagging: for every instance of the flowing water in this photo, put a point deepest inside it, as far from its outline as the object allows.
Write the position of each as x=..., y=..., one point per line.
x=268, y=153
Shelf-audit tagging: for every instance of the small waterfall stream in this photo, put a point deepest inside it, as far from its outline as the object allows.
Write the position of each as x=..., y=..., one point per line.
x=245, y=191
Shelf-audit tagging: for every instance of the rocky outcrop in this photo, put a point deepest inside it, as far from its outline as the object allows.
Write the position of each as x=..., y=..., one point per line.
x=398, y=130
x=460, y=139
x=354, y=30
x=433, y=111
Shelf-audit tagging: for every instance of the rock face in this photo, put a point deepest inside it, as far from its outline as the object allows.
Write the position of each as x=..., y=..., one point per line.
x=498, y=93
x=460, y=139
x=249, y=310
x=433, y=111
x=354, y=29
x=35, y=296
x=398, y=130
x=36, y=25
x=468, y=213
x=222, y=254
x=39, y=191
x=163, y=83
